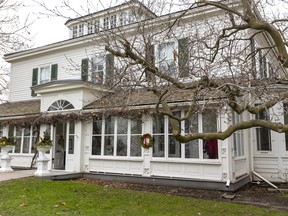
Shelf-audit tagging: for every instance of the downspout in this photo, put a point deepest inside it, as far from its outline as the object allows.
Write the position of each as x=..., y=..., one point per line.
x=261, y=177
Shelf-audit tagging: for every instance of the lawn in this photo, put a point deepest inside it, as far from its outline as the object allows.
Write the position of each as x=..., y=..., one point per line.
x=33, y=196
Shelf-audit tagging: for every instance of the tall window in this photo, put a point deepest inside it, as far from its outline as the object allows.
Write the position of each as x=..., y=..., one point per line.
x=44, y=74
x=97, y=69
x=238, y=136
x=71, y=137
x=116, y=136
x=167, y=58
x=263, y=135
x=174, y=146
x=1, y=130
x=192, y=147
x=159, y=136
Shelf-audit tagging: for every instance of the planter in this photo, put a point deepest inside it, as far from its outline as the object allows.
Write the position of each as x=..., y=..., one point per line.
x=6, y=159
x=42, y=161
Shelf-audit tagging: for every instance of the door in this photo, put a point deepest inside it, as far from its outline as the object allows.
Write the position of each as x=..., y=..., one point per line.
x=59, y=146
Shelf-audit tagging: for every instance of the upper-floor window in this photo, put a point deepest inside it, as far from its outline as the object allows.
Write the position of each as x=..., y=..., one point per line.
x=78, y=30
x=123, y=18
x=93, y=26
x=167, y=58
x=99, y=69
x=113, y=19
x=44, y=74
x=106, y=22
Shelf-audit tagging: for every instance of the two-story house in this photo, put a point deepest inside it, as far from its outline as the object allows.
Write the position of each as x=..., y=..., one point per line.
x=66, y=89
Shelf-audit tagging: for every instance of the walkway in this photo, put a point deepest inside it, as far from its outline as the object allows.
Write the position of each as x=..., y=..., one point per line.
x=55, y=174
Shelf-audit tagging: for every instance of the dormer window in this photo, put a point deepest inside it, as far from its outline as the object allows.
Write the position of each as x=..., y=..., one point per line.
x=106, y=22
x=123, y=19
x=93, y=26
x=113, y=21
x=78, y=30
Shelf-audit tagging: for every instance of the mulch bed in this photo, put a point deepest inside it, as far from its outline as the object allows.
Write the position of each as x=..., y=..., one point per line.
x=251, y=194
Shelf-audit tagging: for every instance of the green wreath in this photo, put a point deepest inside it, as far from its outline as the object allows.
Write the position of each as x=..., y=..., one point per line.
x=146, y=140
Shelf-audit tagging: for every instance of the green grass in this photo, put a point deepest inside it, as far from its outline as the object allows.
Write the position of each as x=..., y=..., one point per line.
x=33, y=196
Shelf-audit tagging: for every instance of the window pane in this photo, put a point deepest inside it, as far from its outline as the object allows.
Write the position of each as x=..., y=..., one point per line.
x=97, y=126
x=263, y=139
x=158, y=147
x=11, y=131
x=18, y=145
x=136, y=127
x=191, y=125
x=122, y=125
x=1, y=130
x=158, y=125
x=174, y=148
x=108, y=145
x=96, y=145
x=135, y=148
x=26, y=144
x=192, y=149
x=71, y=144
x=109, y=125
x=209, y=119
x=176, y=114
x=72, y=127
x=121, y=145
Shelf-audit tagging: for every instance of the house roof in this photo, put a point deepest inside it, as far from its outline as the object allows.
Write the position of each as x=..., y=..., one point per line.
x=20, y=108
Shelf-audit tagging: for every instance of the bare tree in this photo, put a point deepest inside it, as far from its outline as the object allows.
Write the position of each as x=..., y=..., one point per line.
x=13, y=32
x=221, y=61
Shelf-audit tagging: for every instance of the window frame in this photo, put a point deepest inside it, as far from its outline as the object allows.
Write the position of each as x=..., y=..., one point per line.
x=260, y=130
x=94, y=69
x=166, y=63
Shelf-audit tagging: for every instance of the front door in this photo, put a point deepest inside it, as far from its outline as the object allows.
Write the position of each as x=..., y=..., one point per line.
x=59, y=151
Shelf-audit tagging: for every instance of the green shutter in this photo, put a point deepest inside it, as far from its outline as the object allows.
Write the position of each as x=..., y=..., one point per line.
x=109, y=69
x=54, y=71
x=183, y=57
x=84, y=69
x=34, y=79
x=150, y=57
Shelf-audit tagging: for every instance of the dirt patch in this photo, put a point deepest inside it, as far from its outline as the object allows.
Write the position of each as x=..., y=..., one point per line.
x=250, y=194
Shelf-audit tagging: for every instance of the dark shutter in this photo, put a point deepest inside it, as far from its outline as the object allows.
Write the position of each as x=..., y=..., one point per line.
x=84, y=69
x=150, y=57
x=109, y=69
x=253, y=50
x=34, y=80
x=183, y=57
x=54, y=71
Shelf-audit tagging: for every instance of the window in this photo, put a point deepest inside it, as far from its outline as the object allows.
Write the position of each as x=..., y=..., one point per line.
x=25, y=138
x=61, y=105
x=1, y=130
x=106, y=22
x=71, y=137
x=97, y=69
x=192, y=147
x=238, y=136
x=43, y=75
x=81, y=30
x=263, y=135
x=116, y=136
x=93, y=26
x=113, y=19
x=167, y=58
x=75, y=31
x=123, y=19
x=165, y=145
x=97, y=65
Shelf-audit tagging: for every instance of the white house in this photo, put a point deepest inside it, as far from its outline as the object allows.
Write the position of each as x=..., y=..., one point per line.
x=64, y=88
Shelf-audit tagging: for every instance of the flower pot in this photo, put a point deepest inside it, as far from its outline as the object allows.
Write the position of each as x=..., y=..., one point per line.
x=42, y=161
x=6, y=159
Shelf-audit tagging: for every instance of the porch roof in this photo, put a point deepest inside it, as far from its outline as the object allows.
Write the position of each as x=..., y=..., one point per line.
x=20, y=108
